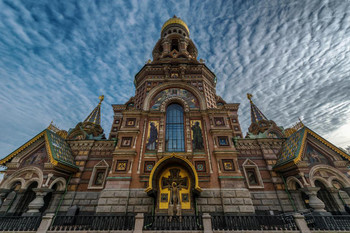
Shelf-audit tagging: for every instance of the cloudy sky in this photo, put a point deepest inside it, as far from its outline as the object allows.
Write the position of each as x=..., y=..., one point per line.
x=57, y=57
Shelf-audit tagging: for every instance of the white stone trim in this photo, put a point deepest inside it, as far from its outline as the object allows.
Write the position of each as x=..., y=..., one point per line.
x=8, y=181
x=99, y=166
x=291, y=180
x=337, y=174
x=61, y=184
x=249, y=164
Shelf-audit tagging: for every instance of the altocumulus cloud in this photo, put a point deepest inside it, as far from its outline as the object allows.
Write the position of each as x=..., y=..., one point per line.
x=57, y=57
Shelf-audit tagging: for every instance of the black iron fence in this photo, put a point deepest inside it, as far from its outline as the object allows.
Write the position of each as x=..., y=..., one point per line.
x=20, y=223
x=93, y=222
x=332, y=222
x=163, y=222
x=252, y=222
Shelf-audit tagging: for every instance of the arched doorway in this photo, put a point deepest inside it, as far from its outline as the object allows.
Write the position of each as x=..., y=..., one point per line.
x=324, y=195
x=173, y=184
x=174, y=195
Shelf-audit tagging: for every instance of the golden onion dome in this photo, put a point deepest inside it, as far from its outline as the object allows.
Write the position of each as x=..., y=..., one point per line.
x=176, y=20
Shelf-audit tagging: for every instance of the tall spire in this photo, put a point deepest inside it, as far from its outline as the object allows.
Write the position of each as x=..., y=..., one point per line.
x=95, y=115
x=255, y=114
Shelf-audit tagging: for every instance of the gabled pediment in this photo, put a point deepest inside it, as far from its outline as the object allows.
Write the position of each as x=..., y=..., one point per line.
x=307, y=147
x=47, y=146
x=248, y=162
x=37, y=158
x=102, y=163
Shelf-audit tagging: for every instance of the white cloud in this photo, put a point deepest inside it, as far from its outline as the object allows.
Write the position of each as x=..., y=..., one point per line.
x=57, y=58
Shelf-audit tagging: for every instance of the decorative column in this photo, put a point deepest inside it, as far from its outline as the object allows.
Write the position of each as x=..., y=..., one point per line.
x=314, y=201
x=139, y=220
x=38, y=202
x=207, y=227
x=301, y=223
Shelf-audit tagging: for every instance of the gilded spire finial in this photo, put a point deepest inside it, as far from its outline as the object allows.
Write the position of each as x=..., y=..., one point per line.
x=101, y=98
x=249, y=96
x=300, y=122
x=95, y=115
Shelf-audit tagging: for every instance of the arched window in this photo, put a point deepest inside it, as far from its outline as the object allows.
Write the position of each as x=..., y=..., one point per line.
x=174, y=45
x=174, y=137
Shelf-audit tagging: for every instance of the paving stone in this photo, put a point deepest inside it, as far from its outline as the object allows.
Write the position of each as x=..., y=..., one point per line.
x=226, y=201
x=135, y=201
x=69, y=195
x=267, y=202
x=262, y=207
x=107, y=193
x=202, y=201
x=130, y=208
x=219, y=208
x=237, y=201
x=141, y=194
x=102, y=201
x=92, y=195
x=112, y=201
x=242, y=193
x=214, y=201
x=122, y=201
x=80, y=196
x=285, y=202
x=207, y=193
x=103, y=209
x=88, y=208
x=147, y=201
x=93, y=202
x=288, y=208
x=259, y=195
x=256, y=202
x=246, y=209
x=141, y=209
x=66, y=202
x=84, y=202
x=248, y=201
x=118, y=208
x=229, y=193
x=231, y=209
x=271, y=196
x=121, y=193
x=216, y=193
x=208, y=209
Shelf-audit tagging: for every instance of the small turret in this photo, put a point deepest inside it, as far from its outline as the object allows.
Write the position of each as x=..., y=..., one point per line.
x=175, y=43
x=90, y=128
x=95, y=115
x=260, y=126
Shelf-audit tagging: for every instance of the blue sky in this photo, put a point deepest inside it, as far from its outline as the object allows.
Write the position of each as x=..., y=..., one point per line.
x=57, y=57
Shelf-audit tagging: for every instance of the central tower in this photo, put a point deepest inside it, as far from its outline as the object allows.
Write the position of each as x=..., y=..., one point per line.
x=175, y=137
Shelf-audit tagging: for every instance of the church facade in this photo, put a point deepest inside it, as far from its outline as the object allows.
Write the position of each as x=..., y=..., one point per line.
x=176, y=148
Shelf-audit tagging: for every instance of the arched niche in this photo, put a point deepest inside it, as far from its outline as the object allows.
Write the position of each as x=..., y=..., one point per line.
x=59, y=184
x=171, y=161
x=329, y=169
x=155, y=91
x=18, y=175
x=292, y=182
x=174, y=184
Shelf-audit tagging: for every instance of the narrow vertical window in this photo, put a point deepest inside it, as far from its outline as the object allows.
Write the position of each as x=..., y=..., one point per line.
x=174, y=137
